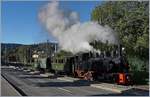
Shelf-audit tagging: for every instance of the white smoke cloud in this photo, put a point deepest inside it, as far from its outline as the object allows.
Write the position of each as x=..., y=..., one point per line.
x=72, y=35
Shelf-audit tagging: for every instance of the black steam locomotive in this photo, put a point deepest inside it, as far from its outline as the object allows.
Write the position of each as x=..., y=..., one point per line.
x=106, y=66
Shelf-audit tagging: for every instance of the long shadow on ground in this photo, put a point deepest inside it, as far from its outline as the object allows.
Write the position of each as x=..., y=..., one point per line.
x=130, y=92
x=64, y=84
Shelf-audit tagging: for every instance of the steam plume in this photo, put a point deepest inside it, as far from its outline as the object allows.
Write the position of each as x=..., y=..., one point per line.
x=72, y=35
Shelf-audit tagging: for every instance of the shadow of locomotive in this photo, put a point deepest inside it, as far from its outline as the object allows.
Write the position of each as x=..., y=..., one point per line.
x=64, y=84
x=130, y=92
x=37, y=77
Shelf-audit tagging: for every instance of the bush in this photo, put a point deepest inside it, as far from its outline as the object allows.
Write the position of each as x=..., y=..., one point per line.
x=140, y=77
x=137, y=64
x=140, y=70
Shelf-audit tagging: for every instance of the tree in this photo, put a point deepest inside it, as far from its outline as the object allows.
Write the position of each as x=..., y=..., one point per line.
x=130, y=19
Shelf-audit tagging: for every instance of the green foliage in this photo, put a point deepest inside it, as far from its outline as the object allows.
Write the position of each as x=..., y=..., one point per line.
x=140, y=77
x=130, y=19
x=136, y=64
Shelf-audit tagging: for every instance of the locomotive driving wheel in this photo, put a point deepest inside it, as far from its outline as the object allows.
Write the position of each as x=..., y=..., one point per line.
x=88, y=76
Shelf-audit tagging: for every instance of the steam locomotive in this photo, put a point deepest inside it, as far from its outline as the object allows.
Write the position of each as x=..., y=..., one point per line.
x=106, y=66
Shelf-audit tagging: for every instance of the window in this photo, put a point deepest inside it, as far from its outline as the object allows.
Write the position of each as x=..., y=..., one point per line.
x=59, y=61
x=62, y=61
x=56, y=60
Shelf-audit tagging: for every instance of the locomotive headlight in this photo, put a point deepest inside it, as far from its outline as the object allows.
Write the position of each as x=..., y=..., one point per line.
x=123, y=49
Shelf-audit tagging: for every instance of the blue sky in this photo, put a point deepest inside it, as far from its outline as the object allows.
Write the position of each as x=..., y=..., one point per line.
x=20, y=22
